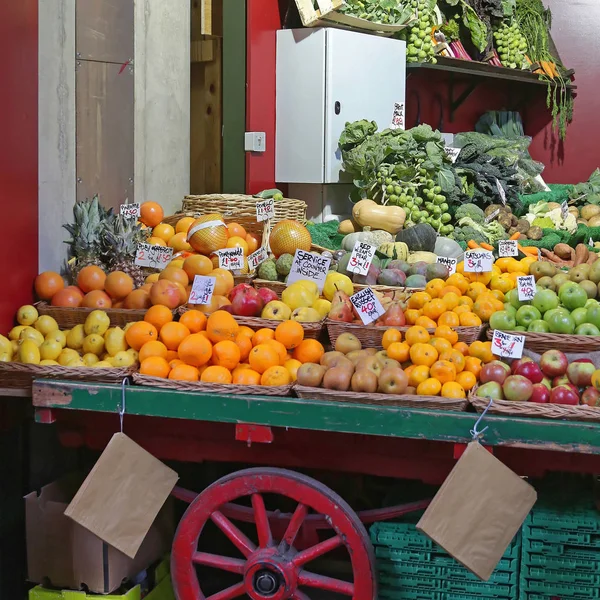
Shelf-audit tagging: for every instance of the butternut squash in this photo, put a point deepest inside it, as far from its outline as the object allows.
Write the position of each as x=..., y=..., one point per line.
x=370, y=214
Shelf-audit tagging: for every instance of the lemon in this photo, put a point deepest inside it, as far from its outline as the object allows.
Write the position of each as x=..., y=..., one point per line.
x=49, y=363
x=57, y=336
x=75, y=362
x=97, y=322
x=5, y=346
x=50, y=350
x=75, y=337
x=5, y=357
x=46, y=324
x=27, y=315
x=29, y=353
x=128, y=326
x=103, y=364
x=15, y=332
x=122, y=359
x=66, y=355
x=29, y=333
x=15, y=346
x=93, y=343
x=90, y=359
x=114, y=340
x=134, y=353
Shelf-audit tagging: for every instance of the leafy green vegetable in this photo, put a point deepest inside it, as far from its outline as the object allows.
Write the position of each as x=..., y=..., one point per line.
x=357, y=132
x=478, y=29
x=390, y=12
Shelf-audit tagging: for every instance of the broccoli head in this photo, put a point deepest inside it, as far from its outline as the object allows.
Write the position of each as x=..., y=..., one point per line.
x=467, y=233
x=469, y=210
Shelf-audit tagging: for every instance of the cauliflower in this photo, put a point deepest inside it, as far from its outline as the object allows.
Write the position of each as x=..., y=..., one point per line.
x=539, y=215
x=471, y=211
x=543, y=222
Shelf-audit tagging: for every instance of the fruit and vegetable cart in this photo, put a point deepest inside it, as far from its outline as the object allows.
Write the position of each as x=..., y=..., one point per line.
x=284, y=436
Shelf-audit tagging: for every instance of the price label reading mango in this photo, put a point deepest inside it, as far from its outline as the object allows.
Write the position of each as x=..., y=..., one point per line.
x=448, y=262
x=153, y=256
x=361, y=258
x=478, y=261
x=257, y=258
x=526, y=287
x=508, y=248
x=309, y=266
x=231, y=259
x=507, y=345
x=129, y=211
x=265, y=210
x=202, y=290
x=367, y=305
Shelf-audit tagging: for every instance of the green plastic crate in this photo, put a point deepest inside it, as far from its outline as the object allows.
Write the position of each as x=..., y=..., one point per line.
x=409, y=569
x=416, y=583
x=532, y=559
x=580, y=521
x=408, y=594
x=501, y=577
x=41, y=593
x=564, y=550
x=573, y=538
x=563, y=576
x=481, y=589
x=559, y=590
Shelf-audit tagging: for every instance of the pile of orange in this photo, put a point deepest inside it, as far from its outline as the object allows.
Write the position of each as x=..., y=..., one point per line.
x=437, y=365
x=216, y=349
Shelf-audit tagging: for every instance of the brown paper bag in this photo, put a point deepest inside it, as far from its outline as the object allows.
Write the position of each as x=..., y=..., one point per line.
x=478, y=510
x=122, y=495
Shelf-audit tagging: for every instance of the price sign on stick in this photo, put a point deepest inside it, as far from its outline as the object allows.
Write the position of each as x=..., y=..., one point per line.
x=367, y=305
x=564, y=210
x=449, y=262
x=526, y=287
x=452, y=153
x=478, y=261
x=257, y=258
x=202, y=290
x=154, y=256
x=129, y=211
x=265, y=210
x=492, y=216
x=361, y=258
x=398, y=116
x=508, y=248
x=507, y=345
x=501, y=191
x=231, y=259
x=309, y=266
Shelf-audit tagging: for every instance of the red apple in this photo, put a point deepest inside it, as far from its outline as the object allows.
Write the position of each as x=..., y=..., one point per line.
x=546, y=381
x=573, y=387
x=492, y=390
x=540, y=394
x=591, y=397
x=517, y=388
x=583, y=360
x=554, y=363
x=580, y=373
x=245, y=301
x=267, y=295
x=531, y=370
x=494, y=371
x=517, y=363
x=564, y=395
x=560, y=380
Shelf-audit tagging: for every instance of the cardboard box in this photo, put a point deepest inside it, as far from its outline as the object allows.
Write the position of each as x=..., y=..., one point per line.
x=66, y=555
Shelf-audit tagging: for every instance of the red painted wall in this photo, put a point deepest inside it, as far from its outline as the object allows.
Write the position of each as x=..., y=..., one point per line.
x=18, y=155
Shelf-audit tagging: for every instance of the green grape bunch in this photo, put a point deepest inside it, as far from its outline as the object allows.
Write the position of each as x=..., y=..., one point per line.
x=419, y=47
x=511, y=45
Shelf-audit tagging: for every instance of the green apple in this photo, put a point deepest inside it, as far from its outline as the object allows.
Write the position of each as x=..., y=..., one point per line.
x=520, y=328
x=510, y=309
x=545, y=300
x=566, y=285
x=503, y=320
x=593, y=315
x=579, y=316
x=560, y=322
x=587, y=329
x=539, y=326
x=591, y=302
x=572, y=296
x=526, y=314
x=512, y=296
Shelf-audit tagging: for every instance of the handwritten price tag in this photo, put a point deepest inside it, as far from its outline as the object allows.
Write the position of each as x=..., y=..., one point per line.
x=449, y=262
x=129, y=211
x=564, y=210
x=508, y=248
x=361, y=258
x=526, y=287
x=452, y=153
x=367, y=305
x=398, y=116
x=154, y=256
x=231, y=259
x=265, y=210
x=507, y=345
x=501, y=191
x=309, y=266
x=256, y=258
x=492, y=216
x=478, y=261
x=202, y=290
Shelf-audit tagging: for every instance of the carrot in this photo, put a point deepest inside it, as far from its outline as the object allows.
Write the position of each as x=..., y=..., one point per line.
x=529, y=250
x=472, y=244
x=487, y=247
x=515, y=236
x=547, y=69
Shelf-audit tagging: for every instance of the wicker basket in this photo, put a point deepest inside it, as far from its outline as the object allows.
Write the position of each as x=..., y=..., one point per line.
x=199, y=387
x=407, y=401
x=535, y=409
x=19, y=376
x=371, y=335
x=69, y=317
x=540, y=342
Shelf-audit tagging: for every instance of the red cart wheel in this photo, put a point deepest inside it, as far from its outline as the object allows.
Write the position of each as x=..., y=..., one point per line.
x=272, y=569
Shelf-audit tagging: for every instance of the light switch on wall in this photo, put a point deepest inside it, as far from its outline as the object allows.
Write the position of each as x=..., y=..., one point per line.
x=255, y=141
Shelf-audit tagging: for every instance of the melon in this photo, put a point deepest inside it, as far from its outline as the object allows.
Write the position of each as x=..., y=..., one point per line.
x=208, y=233
x=288, y=236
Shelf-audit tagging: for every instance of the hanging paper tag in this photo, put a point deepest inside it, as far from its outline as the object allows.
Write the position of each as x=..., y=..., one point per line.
x=501, y=191
x=153, y=255
x=361, y=258
x=398, y=116
x=256, y=258
x=202, y=290
x=526, y=287
x=452, y=153
x=449, y=262
x=478, y=261
x=492, y=216
x=231, y=259
x=591, y=243
x=309, y=266
x=367, y=305
x=507, y=345
x=508, y=248
x=265, y=210
x=564, y=210
x=129, y=211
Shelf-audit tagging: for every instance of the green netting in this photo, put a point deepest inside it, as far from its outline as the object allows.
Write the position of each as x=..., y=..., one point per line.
x=326, y=235
x=558, y=193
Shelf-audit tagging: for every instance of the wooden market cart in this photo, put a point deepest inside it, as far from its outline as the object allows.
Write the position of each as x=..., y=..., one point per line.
x=283, y=434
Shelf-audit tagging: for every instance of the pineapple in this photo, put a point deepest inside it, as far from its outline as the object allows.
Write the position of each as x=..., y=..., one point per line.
x=120, y=241
x=86, y=235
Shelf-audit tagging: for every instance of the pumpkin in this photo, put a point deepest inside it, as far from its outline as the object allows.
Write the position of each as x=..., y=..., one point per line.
x=421, y=237
x=448, y=248
x=426, y=257
x=394, y=250
x=370, y=214
x=348, y=226
x=374, y=238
